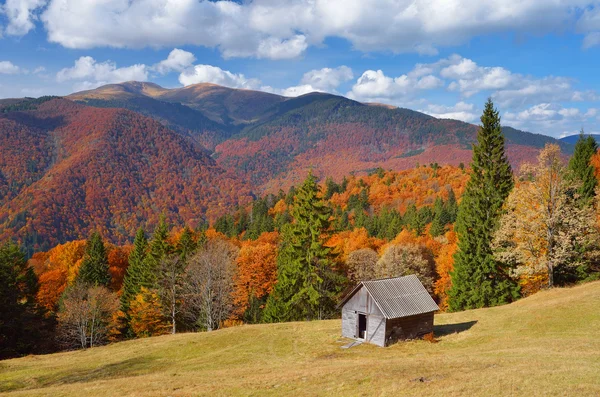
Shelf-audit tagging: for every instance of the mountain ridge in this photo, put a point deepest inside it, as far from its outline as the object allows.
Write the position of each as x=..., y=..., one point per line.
x=120, y=155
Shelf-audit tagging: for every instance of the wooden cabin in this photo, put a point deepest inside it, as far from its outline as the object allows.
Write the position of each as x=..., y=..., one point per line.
x=385, y=311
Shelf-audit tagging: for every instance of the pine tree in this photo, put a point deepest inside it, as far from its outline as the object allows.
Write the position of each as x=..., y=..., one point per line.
x=440, y=218
x=479, y=280
x=306, y=283
x=451, y=206
x=94, y=268
x=186, y=244
x=160, y=247
x=21, y=321
x=138, y=272
x=581, y=167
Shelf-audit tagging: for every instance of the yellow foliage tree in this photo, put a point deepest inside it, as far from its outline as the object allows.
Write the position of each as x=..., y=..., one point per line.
x=146, y=315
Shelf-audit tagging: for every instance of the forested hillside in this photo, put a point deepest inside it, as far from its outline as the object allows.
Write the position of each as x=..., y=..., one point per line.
x=68, y=169
x=273, y=141
x=207, y=150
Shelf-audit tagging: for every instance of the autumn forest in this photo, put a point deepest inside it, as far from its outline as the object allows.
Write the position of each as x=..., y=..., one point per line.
x=123, y=223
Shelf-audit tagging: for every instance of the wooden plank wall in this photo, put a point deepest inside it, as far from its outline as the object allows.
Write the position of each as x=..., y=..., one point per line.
x=349, y=318
x=408, y=327
x=376, y=325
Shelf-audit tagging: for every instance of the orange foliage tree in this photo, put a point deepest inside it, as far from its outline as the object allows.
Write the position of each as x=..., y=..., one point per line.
x=59, y=271
x=146, y=315
x=256, y=271
x=117, y=265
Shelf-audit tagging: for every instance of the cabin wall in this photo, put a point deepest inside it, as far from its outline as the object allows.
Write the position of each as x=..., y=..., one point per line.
x=362, y=302
x=349, y=325
x=408, y=327
x=376, y=326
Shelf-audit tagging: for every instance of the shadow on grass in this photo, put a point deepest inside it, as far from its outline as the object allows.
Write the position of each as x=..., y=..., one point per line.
x=447, y=329
x=122, y=369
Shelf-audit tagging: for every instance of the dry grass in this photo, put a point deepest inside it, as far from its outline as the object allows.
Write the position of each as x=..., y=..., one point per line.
x=544, y=345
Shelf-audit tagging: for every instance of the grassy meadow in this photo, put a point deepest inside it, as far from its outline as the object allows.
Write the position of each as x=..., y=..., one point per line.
x=547, y=344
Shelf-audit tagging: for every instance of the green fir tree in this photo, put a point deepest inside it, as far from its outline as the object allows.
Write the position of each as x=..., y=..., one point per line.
x=479, y=280
x=306, y=285
x=94, y=268
x=138, y=273
x=581, y=167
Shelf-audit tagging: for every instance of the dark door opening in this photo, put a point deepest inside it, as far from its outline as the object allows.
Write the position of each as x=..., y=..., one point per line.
x=362, y=326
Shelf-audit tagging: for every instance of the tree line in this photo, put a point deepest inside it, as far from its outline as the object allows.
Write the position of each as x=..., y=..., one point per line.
x=289, y=256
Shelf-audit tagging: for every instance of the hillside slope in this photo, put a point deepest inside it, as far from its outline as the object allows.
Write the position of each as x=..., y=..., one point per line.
x=68, y=169
x=546, y=344
x=273, y=141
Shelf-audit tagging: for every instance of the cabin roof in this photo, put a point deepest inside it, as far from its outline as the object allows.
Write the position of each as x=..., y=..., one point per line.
x=398, y=296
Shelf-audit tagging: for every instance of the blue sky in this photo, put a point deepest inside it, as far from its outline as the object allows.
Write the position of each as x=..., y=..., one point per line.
x=538, y=59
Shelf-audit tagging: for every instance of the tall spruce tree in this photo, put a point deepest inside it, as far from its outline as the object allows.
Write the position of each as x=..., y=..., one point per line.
x=159, y=247
x=479, y=280
x=138, y=273
x=451, y=206
x=94, y=268
x=186, y=245
x=22, y=324
x=306, y=283
x=581, y=167
x=440, y=218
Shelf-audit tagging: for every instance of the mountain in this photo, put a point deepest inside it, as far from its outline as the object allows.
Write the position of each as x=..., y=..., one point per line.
x=115, y=157
x=572, y=139
x=273, y=141
x=67, y=169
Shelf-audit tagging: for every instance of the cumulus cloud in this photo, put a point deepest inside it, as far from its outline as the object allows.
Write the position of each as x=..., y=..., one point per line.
x=551, y=119
x=461, y=111
x=284, y=29
x=7, y=67
x=178, y=60
x=21, y=15
x=507, y=88
x=91, y=74
x=374, y=85
x=320, y=80
x=216, y=75
x=274, y=48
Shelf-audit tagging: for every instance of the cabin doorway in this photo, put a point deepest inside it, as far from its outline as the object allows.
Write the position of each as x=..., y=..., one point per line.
x=362, y=326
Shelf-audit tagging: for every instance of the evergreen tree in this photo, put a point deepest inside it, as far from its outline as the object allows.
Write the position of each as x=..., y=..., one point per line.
x=479, y=280
x=186, y=244
x=160, y=247
x=138, y=273
x=306, y=284
x=440, y=218
x=582, y=169
x=21, y=321
x=94, y=268
x=451, y=206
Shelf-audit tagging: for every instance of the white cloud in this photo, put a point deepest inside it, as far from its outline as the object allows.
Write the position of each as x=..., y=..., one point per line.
x=284, y=28
x=274, y=48
x=461, y=111
x=216, y=75
x=20, y=15
x=320, y=80
x=92, y=74
x=375, y=86
x=508, y=89
x=7, y=67
x=297, y=90
x=327, y=78
x=551, y=118
x=178, y=60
